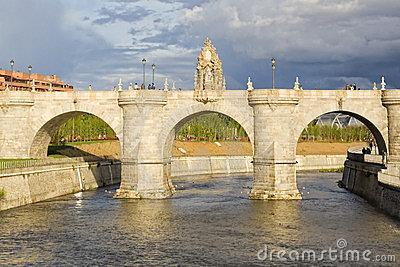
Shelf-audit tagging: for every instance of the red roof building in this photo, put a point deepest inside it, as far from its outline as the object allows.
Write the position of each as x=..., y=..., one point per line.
x=22, y=81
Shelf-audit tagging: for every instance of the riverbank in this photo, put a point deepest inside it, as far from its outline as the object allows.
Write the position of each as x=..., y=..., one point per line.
x=36, y=182
x=112, y=149
x=39, y=180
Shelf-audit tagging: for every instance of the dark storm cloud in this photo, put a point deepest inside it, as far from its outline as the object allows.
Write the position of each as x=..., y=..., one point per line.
x=326, y=43
x=33, y=33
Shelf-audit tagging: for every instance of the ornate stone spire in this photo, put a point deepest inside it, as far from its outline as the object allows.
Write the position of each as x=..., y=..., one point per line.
x=208, y=79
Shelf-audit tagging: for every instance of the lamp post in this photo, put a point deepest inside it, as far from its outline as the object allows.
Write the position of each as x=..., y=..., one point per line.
x=30, y=71
x=144, y=73
x=12, y=70
x=273, y=65
x=153, y=66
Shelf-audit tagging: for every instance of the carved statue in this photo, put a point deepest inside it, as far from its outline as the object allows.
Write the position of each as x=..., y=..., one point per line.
x=383, y=83
x=249, y=85
x=208, y=79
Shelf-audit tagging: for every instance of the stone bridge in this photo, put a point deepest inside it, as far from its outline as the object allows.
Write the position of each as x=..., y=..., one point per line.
x=146, y=121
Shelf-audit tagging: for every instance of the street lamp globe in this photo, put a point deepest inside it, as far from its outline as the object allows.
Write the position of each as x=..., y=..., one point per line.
x=12, y=62
x=273, y=62
x=30, y=68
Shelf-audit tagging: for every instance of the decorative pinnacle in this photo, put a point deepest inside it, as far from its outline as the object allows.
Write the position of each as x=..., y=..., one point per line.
x=383, y=83
x=249, y=84
x=166, y=84
x=297, y=84
x=120, y=85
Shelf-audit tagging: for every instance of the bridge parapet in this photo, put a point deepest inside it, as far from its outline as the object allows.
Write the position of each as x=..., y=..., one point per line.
x=318, y=93
x=142, y=97
x=391, y=97
x=16, y=98
x=273, y=96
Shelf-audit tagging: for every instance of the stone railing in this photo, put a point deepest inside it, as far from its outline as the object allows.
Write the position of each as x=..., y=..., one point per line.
x=357, y=156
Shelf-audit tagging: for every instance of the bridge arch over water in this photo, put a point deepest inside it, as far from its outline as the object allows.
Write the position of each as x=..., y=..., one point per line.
x=377, y=128
x=181, y=116
x=184, y=115
x=46, y=126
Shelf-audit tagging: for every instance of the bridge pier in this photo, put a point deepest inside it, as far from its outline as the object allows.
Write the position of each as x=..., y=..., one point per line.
x=142, y=173
x=15, y=133
x=391, y=100
x=274, y=149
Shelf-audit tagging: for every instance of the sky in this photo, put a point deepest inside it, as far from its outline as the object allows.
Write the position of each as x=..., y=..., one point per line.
x=327, y=43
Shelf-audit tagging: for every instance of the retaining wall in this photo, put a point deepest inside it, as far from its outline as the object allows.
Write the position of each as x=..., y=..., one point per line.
x=367, y=178
x=222, y=165
x=319, y=162
x=37, y=183
x=219, y=165
x=29, y=185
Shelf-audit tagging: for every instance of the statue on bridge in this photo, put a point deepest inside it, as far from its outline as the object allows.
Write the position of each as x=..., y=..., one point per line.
x=209, y=82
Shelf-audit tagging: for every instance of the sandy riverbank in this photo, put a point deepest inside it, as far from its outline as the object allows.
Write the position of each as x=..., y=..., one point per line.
x=112, y=148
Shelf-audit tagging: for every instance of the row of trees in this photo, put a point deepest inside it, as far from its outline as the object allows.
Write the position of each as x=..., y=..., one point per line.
x=333, y=133
x=211, y=127
x=208, y=127
x=83, y=128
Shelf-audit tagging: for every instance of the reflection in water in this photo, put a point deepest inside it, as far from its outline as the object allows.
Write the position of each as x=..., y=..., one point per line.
x=79, y=200
x=154, y=217
x=209, y=221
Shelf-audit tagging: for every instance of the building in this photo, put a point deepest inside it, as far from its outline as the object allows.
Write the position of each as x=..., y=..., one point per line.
x=31, y=82
x=338, y=120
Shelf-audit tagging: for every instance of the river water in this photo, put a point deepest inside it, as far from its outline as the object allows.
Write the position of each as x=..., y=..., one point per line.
x=209, y=221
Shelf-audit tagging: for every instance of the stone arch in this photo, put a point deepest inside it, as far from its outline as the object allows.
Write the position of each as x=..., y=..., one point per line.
x=181, y=116
x=47, y=127
x=178, y=118
x=377, y=127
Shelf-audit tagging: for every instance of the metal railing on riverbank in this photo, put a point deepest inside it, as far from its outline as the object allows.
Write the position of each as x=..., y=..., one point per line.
x=26, y=163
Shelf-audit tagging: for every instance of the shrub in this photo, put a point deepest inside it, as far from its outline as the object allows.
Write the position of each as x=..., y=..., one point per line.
x=2, y=193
